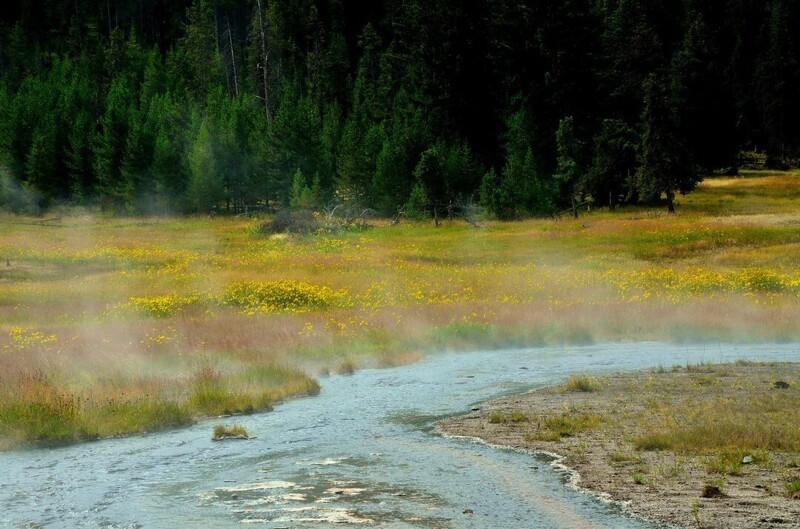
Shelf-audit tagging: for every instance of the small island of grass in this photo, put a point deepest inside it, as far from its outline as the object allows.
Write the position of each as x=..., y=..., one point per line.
x=223, y=432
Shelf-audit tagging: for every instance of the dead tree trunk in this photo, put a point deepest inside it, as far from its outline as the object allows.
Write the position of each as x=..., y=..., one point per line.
x=670, y=201
x=233, y=59
x=264, y=59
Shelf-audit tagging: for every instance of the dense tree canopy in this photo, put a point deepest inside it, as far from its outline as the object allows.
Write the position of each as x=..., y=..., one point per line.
x=155, y=106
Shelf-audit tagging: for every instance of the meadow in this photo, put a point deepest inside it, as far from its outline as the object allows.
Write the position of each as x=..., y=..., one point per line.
x=114, y=326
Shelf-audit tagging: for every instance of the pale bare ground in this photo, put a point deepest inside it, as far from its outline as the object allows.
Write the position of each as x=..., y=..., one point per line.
x=659, y=484
x=763, y=219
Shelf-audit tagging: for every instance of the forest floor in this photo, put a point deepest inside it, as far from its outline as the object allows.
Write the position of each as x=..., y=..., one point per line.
x=112, y=326
x=708, y=446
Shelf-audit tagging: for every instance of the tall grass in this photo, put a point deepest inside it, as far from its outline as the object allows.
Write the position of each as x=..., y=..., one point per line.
x=36, y=410
x=150, y=297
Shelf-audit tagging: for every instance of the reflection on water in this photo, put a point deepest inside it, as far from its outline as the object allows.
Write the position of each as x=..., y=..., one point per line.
x=361, y=454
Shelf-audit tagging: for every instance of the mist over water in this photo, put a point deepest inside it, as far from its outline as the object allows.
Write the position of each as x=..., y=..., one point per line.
x=362, y=454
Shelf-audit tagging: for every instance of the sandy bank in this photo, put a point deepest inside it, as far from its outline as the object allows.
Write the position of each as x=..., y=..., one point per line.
x=597, y=431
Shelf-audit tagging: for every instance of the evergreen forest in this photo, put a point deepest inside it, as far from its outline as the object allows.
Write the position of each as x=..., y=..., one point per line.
x=526, y=107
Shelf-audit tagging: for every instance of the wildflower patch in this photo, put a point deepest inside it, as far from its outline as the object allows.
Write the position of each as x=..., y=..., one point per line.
x=282, y=296
x=163, y=306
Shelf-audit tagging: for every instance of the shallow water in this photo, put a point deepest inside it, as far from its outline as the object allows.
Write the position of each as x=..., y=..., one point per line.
x=362, y=453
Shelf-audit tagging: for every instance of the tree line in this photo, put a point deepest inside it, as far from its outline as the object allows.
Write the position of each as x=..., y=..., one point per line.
x=527, y=107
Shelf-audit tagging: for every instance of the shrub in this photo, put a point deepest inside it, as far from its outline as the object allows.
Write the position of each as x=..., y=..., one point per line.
x=300, y=222
x=416, y=207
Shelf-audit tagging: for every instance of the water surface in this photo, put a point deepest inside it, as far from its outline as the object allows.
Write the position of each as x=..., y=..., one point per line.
x=362, y=453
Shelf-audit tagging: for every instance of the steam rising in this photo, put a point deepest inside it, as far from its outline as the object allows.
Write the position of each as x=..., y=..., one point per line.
x=205, y=314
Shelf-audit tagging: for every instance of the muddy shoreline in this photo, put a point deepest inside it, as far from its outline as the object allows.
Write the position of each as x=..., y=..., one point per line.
x=656, y=484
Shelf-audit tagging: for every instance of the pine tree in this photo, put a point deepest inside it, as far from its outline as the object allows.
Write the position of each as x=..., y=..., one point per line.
x=110, y=145
x=614, y=163
x=633, y=50
x=294, y=142
x=169, y=167
x=78, y=108
x=778, y=82
x=206, y=188
x=136, y=161
x=704, y=97
x=520, y=189
x=665, y=167
x=198, y=52
x=40, y=163
x=6, y=127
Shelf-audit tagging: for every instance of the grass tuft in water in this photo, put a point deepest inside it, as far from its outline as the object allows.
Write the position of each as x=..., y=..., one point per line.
x=234, y=431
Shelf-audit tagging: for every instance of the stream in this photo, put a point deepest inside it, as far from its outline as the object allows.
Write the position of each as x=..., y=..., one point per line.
x=363, y=453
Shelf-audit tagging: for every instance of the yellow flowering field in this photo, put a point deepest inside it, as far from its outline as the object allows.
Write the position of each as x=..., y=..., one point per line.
x=112, y=326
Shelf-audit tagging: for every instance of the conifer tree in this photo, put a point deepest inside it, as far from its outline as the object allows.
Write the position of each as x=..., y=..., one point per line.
x=40, y=163
x=614, y=164
x=206, y=187
x=110, y=146
x=569, y=172
x=665, y=168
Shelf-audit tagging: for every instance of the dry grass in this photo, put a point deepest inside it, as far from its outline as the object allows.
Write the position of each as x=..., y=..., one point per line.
x=93, y=297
